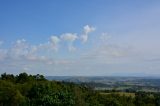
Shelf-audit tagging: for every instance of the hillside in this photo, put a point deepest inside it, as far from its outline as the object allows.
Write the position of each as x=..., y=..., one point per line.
x=35, y=90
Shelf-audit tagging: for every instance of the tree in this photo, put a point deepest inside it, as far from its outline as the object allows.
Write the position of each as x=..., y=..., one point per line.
x=22, y=78
x=9, y=95
x=8, y=77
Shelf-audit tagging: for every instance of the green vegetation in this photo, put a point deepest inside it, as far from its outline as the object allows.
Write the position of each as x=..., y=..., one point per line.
x=120, y=93
x=35, y=90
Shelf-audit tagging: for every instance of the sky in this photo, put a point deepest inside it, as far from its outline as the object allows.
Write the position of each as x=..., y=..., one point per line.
x=80, y=37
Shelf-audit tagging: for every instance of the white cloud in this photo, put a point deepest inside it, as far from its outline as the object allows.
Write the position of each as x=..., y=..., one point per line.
x=97, y=55
x=51, y=46
x=87, y=29
x=69, y=37
x=19, y=49
x=22, y=51
x=54, y=42
x=20, y=41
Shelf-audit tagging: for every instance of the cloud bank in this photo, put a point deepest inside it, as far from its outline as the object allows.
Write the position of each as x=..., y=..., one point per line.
x=69, y=54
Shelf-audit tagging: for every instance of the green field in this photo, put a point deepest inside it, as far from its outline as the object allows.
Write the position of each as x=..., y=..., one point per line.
x=120, y=94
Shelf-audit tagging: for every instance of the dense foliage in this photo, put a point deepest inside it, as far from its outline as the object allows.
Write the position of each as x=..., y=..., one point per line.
x=35, y=90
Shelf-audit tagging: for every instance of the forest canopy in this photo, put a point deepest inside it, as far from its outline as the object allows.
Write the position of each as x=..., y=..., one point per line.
x=36, y=90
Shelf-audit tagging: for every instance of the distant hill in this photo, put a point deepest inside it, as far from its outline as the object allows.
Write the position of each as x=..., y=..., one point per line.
x=120, y=83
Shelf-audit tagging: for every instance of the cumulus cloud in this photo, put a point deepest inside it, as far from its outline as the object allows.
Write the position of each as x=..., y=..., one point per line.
x=87, y=29
x=19, y=49
x=70, y=38
x=51, y=46
x=20, y=41
x=54, y=42
x=22, y=53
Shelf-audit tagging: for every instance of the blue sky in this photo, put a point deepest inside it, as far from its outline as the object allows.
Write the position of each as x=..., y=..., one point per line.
x=80, y=37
